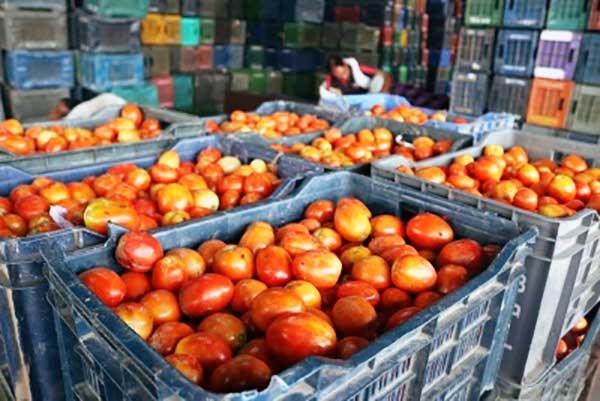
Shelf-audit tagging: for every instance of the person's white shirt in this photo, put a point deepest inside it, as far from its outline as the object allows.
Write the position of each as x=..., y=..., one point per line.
x=93, y=106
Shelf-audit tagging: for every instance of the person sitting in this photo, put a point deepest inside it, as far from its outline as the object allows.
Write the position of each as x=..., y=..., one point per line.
x=348, y=77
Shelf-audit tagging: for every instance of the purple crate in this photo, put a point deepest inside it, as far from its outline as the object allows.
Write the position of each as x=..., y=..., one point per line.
x=557, y=54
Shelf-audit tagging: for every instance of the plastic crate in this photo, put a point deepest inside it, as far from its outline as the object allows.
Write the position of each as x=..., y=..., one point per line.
x=235, y=55
x=301, y=35
x=220, y=57
x=118, y=8
x=161, y=29
x=568, y=14
x=588, y=63
x=184, y=92
x=468, y=91
x=144, y=95
x=484, y=12
x=164, y=6
x=100, y=71
x=190, y=31
x=210, y=87
x=207, y=31
x=166, y=91
x=515, y=52
x=240, y=81
x=377, y=13
x=592, y=390
x=157, y=60
x=212, y=8
x=204, y=58
x=35, y=4
x=549, y=102
x=50, y=31
x=26, y=69
x=594, y=21
x=237, y=34
x=263, y=9
x=33, y=104
x=299, y=60
x=93, y=33
x=303, y=10
x=560, y=133
x=359, y=37
x=350, y=13
x=445, y=352
x=557, y=54
x=524, y=13
x=258, y=57
x=182, y=59
x=263, y=33
x=476, y=49
x=563, y=273
x=584, y=113
x=509, y=95
x=265, y=82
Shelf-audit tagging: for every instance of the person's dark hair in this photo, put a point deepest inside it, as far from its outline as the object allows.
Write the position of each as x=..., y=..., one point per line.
x=334, y=61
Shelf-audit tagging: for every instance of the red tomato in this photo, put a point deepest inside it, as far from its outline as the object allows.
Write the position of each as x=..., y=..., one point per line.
x=208, y=249
x=350, y=346
x=206, y=294
x=163, y=306
x=451, y=277
x=359, y=288
x=258, y=348
x=387, y=225
x=189, y=366
x=228, y=327
x=138, y=251
x=393, y=299
x=137, y=317
x=352, y=220
x=169, y=273
x=273, y=266
x=167, y=335
x=308, y=293
x=372, y=270
x=429, y=231
x=235, y=262
x=210, y=349
x=100, y=212
x=244, y=372
x=426, y=299
x=244, y=293
x=138, y=284
x=192, y=260
x=320, y=268
x=272, y=303
x=30, y=206
x=401, y=316
x=413, y=274
x=133, y=113
x=354, y=316
x=105, y=284
x=463, y=252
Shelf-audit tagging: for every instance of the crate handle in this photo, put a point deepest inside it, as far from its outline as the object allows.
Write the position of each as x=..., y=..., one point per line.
x=501, y=50
x=571, y=55
x=586, y=5
x=511, y=4
x=574, y=106
x=561, y=104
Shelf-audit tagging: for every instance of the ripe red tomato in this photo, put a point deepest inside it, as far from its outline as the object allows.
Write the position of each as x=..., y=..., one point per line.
x=258, y=348
x=208, y=249
x=308, y=293
x=320, y=268
x=105, y=284
x=228, y=327
x=391, y=254
x=210, y=349
x=138, y=284
x=296, y=243
x=463, y=252
x=100, y=212
x=133, y=113
x=30, y=206
x=387, y=225
x=427, y=298
x=359, y=288
x=272, y=303
x=169, y=273
x=234, y=262
x=273, y=266
x=350, y=346
x=163, y=306
x=354, y=316
x=393, y=299
x=244, y=293
x=329, y=238
x=138, y=251
x=189, y=366
x=372, y=270
x=192, y=260
x=257, y=236
x=244, y=372
x=167, y=335
x=451, y=277
x=401, y=316
x=429, y=231
x=206, y=294
x=137, y=317
x=413, y=274
x=321, y=210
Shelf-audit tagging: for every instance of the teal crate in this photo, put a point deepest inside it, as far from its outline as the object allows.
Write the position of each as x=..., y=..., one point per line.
x=484, y=12
x=118, y=8
x=568, y=14
x=301, y=35
x=190, y=31
x=184, y=92
x=145, y=95
x=207, y=31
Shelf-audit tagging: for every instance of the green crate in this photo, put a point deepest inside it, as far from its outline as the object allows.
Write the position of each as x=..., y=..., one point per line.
x=184, y=92
x=301, y=35
x=484, y=12
x=190, y=31
x=258, y=82
x=403, y=74
x=357, y=37
x=240, y=80
x=118, y=8
x=386, y=58
x=207, y=31
x=568, y=14
x=255, y=57
x=331, y=35
x=274, y=83
x=145, y=95
x=299, y=85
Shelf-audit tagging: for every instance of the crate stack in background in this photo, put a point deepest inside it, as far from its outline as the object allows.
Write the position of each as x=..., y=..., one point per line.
x=37, y=69
x=106, y=35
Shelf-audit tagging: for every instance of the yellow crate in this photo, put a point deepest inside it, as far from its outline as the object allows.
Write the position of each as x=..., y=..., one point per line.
x=172, y=29
x=159, y=29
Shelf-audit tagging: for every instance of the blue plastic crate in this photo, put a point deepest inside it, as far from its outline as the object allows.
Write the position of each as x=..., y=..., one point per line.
x=101, y=72
x=39, y=69
x=448, y=351
x=515, y=52
x=303, y=10
x=299, y=60
x=94, y=33
x=588, y=64
x=440, y=58
x=220, y=57
x=235, y=57
x=28, y=331
x=524, y=13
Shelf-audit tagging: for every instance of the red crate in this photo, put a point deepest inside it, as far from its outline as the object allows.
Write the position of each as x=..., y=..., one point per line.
x=204, y=57
x=166, y=91
x=387, y=36
x=549, y=102
x=594, y=23
x=347, y=14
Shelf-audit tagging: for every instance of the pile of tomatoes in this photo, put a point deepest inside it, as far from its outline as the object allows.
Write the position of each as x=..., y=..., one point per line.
x=544, y=186
x=281, y=123
x=337, y=150
x=412, y=115
x=572, y=340
x=129, y=127
x=229, y=316
x=169, y=192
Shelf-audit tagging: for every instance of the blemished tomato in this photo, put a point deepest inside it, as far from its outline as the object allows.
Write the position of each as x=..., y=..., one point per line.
x=379, y=244
x=228, y=327
x=294, y=337
x=296, y=243
x=272, y=303
x=257, y=236
x=189, y=366
x=329, y=238
x=450, y=277
x=234, y=262
x=105, y=284
x=349, y=346
x=206, y=294
x=320, y=268
x=373, y=270
x=243, y=372
x=463, y=252
x=30, y=206
x=562, y=349
x=210, y=349
x=100, y=212
x=244, y=293
x=137, y=317
x=352, y=220
x=391, y=254
x=413, y=274
x=208, y=249
x=174, y=197
x=308, y=293
x=386, y=224
x=321, y=210
x=169, y=273
x=273, y=266
x=429, y=231
x=163, y=306
x=427, y=298
x=167, y=335
x=138, y=251
x=401, y=316
x=193, y=262
x=359, y=288
x=354, y=315
x=138, y=284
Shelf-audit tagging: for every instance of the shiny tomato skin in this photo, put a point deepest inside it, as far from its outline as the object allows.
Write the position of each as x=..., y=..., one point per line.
x=169, y=273
x=361, y=289
x=137, y=317
x=373, y=270
x=258, y=348
x=429, y=231
x=354, y=316
x=208, y=249
x=105, y=284
x=163, y=306
x=273, y=266
x=211, y=350
x=30, y=206
x=451, y=277
x=308, y=293
x=463, y=252
x=189, y=366
x=349, y=346
x=320, y=268
x=272, y=303
x=100, y=212
x=235, y=262
x=394, y=299
x=426, y=299
x=242, y=373
x=387, y=225
x=413, y=274
x=206, y=294
x=228, y=327
x=244, y=293
x=167, y=335
x=401, y=316
x=138, y=284
x=321, y=210
x=138, y=251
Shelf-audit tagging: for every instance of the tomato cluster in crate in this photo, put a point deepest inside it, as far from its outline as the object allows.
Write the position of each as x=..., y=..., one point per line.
x=412, y=115
x=573, y=339
x=229, y=316
x=130, y=126
x=169, y=192
x=544, y=186
x=335, y=149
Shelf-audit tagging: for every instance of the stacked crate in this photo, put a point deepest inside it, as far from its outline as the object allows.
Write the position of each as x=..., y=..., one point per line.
x=37, y=70
x=410, y=36
x=110, y=59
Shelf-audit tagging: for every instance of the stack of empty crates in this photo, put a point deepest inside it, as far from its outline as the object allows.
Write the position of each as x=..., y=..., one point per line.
x=409, y=48
x=107, y=36
x=37, y=69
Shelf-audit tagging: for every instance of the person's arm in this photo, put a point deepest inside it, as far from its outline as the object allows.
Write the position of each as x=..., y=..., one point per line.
x=374, y=72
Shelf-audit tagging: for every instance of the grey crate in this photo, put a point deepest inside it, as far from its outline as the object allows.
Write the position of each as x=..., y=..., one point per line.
x=240, y=81
x=95, y=33
x=476, y=49
x=331, y=35
x=469, y=91
x=33, y=30
x=563, y=273
x=184, y=59
x=359, y=37
x=584, y=114
x=509, y=95
x=157, y=61
x=35, y=4
x=164, y=6
x=34, y=104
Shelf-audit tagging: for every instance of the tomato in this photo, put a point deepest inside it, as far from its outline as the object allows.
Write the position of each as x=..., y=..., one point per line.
x=295, y=228
x=242, y=373
x=163, y=306
x=387, y=225
x=372, y=270
x=581, y=327
x=258, y=348
x=575, y=163
x=273, y=266
x=359, y=288
x=296, y=243
x=174, y=197
x=147, y=223
x=137, y=317
x=391, y=254
x=228, y=327
x=352, y=255
x=81, y=192
x=433, y=174
x=151, y=125
x=311, y=224
x=235, y=262
x=413, y=274
x=210, y=349
x=350, y=346
x=100, y=212
x=463, y=252
x=18, y=145
x=295, y=337
x=354, y=315
x=232, y=182
x=563, y=188
x=15, y=223
x=321, y=210
x=451, y=277
x=308, y=293
x=393, y=299
x=244, y=293
x=138, y=251
x=169, y=273
x=272, y=303
x=379, y=244
x=22, y=191
x=208, y=249
x=206, y=294
x=5, y=206
x=105, y=183
x=429, y=231
x=320, y=268
x=562, y=350
x=527, y=199
x=105, y=284
x=329, y=238
x=229, y=199
x=257, y=236
x=163, y=174
x=352, y=220
x=138, y=284
x=192, y=261
x=30, y=206
x=189, y=366
x=401, y=316
x=426, y=299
